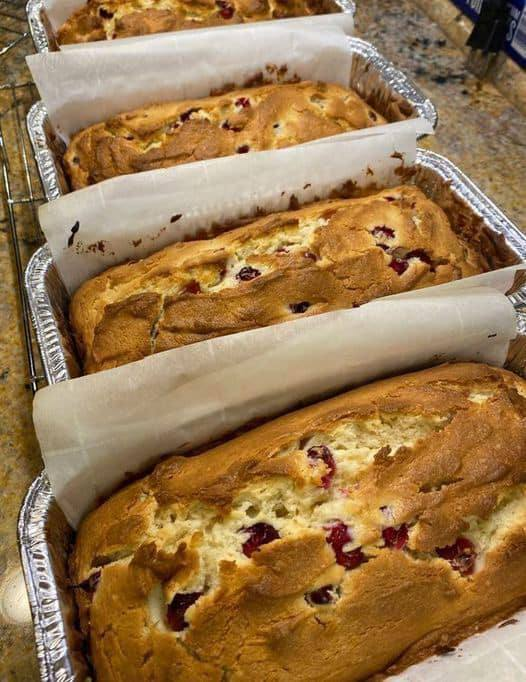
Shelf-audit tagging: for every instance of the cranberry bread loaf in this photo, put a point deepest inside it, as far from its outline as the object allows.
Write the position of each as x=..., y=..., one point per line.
x=109, y=19
x=326, y=256
x=251, y=119
x=356, y=536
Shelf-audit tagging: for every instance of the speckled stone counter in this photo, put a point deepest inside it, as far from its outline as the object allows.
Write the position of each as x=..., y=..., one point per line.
x=479, y=130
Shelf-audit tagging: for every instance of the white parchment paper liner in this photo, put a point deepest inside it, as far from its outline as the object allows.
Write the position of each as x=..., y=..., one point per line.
x=94, y=429
x=131, y=216
x=495, y=655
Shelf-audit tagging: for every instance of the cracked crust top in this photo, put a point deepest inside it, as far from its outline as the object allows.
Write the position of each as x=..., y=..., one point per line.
x=110, y=19
x=352, y=537
x=326, y=256
x=240, y=121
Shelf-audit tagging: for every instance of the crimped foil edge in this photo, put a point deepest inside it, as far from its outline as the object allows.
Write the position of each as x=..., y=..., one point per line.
x=36, y=121
x=398, y=81
x=53, y=651
x=480, y=204
x=39, y=31
x=43, y=316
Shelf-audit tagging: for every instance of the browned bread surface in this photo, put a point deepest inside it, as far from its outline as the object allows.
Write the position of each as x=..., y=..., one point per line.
x=326, y=256
x=240, y=121
x=354, y=536
x=109, y=19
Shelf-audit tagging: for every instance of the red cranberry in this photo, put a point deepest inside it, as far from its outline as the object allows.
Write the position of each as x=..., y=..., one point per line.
x=247, y=273
x=186, y=115
x=399, y=265
x=243, y=102
x=337, y=538
x=225, y=9
x=420, y=254
x=396, y=537
x=260, y=534
x=323, y=595
x=310, y=255
x=461, y=555
x=178, y=607
x=243, y=149
x=390, y=198
x=193, y=287
x=91, y=583
x=226, y=125
x=281, y=249
x=299, y=307
x=322, y=452
x=383, y=231
x=384, y=247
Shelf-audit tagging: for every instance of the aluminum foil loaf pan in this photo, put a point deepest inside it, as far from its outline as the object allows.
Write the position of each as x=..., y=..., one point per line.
x=467, y=207
x=45, y=543
x=45, y=41
x=375, y=78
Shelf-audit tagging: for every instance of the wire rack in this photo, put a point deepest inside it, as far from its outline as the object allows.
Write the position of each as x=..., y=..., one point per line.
x=22, y=191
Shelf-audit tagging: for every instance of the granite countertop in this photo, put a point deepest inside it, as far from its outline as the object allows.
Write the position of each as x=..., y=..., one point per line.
x=479, y=130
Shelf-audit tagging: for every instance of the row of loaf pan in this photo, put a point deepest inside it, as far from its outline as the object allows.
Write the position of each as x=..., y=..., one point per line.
x=45, y=40
x=45, y=537
x=373, y=76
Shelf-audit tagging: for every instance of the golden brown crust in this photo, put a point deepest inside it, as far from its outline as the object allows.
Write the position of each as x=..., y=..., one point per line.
x=327, y=256
x=249, y=119
x=110, y=19
x=451, y=465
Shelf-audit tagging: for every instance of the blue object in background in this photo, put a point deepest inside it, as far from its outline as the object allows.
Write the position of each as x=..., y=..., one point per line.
x=515, y=41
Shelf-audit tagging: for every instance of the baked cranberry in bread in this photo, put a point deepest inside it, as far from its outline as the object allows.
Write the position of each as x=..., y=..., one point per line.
x=240, y=121
x=243, y=563
x=110, y=19
x=326, y=256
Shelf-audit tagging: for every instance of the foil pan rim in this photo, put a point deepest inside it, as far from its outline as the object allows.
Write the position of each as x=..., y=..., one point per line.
x=42, y=38
x=37, y=28
x=402, y=85
x=44, y=322
x=392, y=74
x=53, y=654
x=36, y=121
x=481, y=204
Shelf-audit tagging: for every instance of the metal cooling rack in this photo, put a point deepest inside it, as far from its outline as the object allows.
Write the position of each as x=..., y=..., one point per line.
x=22, y=191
